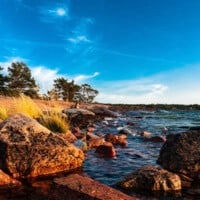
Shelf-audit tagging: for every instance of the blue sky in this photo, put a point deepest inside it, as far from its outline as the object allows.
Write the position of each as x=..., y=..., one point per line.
x=132, y=51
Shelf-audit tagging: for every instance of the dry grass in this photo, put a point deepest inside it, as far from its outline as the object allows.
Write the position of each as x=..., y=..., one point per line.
x=55, y=122
x=48, y=112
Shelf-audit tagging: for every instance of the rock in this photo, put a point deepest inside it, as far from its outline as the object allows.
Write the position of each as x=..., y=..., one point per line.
x=77, y=187
x=125, y=131
x=157, y=139
x=117, y=139
x=7, y=181
x=77, y=111
x=68, y=136
x=29, y=150
x=104, y=112
x=106, y=150
x=95, y=142
x=91, y=136
x=181, y=154
x=149, y=178
x=145, y=134
x=77, y=132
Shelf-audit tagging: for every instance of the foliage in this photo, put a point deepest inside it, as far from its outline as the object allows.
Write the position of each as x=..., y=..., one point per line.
x=63, y=90
x=86, y=94
x=20, y=80
x=3, y=83
x=54, y=122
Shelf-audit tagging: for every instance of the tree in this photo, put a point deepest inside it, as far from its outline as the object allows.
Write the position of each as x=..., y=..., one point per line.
x=3, y=83
x=20, y=80
x=63, y=89
x=86, y=93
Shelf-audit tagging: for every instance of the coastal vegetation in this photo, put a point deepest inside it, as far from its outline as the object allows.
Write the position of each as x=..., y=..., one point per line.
x=19, y=80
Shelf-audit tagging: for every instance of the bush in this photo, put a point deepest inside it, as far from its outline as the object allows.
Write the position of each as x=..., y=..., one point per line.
x=54, y=122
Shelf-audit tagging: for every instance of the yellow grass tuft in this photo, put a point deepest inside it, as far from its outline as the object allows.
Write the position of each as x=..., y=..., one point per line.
x=55, y=122
x=48, y=115
x=3, y=113
x=26, y=105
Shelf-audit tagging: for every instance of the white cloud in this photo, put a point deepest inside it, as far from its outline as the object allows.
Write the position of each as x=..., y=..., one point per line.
x=79, y=39
x=180, y=86
x=81, y=78
x=51, y=12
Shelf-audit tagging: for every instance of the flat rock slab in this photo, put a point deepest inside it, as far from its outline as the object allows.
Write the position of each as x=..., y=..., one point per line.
x=75, y=187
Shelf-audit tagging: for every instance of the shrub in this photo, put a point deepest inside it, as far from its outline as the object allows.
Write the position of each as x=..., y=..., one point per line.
x=54, y=122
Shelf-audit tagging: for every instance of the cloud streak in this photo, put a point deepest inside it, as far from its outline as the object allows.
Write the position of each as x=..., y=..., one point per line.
x=171, y=87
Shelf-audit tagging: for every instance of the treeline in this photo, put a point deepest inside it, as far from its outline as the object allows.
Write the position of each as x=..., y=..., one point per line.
x=152, y=107
x=19, y=80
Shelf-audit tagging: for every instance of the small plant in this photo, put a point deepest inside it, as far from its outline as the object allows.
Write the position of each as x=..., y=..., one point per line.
x=25, y=105
x=54, y=122
x=3, y=113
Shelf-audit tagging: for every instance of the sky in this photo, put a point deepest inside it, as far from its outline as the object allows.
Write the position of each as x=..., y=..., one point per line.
x=131, y=51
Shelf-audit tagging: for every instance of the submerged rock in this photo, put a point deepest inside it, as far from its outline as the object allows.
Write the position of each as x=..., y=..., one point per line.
x=150, y=178
x=79, y=187
x=106, y=150
x=29, y=150
x=117, y=139
x=181, y=154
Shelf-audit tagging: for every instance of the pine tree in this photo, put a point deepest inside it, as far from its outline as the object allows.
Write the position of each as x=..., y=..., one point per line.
x=20, y=80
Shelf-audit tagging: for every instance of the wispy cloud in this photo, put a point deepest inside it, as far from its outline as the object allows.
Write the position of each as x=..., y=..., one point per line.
x=81, y=78
x=52, y=12
x=135, y=56
x=78, y=39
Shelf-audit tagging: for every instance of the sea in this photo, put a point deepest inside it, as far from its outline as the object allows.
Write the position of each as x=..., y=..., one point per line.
x=139, y=151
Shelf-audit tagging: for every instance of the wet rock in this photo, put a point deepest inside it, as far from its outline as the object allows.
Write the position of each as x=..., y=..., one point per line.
x=79, y=187
x=95, y=142
x=181, y=154
x=29, y=150
x=149, y=178
x=157, y=139
x=104, y=112
x=77, y=111
x=106, y=150
x=7, y=181
x=145, y=134
x=117, y=139
x=125, y=131
x=76, y=131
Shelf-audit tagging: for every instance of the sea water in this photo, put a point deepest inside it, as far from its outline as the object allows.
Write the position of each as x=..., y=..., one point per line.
x=139, y=152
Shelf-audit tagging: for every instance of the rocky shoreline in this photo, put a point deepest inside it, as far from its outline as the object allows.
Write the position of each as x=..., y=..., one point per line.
x=29, y=151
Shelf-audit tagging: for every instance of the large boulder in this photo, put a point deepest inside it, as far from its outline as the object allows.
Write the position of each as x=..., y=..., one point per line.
x=150, y=178
x=181, y=154
x=79, y=187
x=28, y=149
x=105, y=112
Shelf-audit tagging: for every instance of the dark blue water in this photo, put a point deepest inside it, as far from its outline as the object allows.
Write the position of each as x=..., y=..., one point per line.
x=139, y=152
